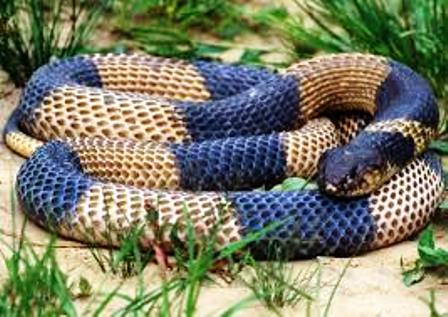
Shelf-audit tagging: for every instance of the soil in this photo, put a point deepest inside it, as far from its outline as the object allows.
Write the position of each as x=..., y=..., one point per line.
x=372, y=285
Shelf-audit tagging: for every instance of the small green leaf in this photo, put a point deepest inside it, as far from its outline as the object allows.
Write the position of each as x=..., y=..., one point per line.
x=294, y=184
x=414, y=275
x=439, y=146
x=433, y=257
x=203, y=49
x=430, y=257
x=427, y=238
x=269, y=14
x=444, y=205
x=429, y=254
x=85, y=288
x=252, y=56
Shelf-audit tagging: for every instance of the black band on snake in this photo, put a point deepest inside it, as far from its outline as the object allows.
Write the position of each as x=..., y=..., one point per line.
x=115, y=140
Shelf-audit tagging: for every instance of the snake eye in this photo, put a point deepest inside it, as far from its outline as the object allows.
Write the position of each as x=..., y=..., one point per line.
x=349, y=171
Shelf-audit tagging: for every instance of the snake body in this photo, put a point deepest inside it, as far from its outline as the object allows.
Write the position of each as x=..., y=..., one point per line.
x=118, y=141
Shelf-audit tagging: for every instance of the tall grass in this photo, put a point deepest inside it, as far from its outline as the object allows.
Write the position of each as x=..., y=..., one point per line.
x=414, y=32
x=170, y=42
x=196, y=257
x=171, y=27
x=126, y=261
x=276, y=284
x=221, y=16
x=34, y=284
x=34, y=31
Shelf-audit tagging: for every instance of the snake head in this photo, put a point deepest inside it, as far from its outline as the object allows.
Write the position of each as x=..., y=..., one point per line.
x=351, y=171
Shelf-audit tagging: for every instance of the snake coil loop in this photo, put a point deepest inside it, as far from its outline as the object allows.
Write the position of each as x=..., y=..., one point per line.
x=113, y=139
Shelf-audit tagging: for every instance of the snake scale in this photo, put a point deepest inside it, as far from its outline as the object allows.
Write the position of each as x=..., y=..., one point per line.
x=118, y=141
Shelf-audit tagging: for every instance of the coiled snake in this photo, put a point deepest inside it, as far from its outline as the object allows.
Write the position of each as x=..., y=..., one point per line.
x=141, y=138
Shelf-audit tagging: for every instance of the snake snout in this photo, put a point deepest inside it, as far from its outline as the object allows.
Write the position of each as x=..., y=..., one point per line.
x=349, y=172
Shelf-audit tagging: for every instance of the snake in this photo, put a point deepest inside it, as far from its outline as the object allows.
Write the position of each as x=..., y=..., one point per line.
x=121, y=141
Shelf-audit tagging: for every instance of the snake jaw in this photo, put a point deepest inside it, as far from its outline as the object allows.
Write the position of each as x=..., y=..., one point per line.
x=330, y=188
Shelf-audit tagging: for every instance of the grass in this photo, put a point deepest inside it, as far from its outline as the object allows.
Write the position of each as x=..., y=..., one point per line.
x=170, y=27
x=126, y=261
x=275, y=284
x=335, y=288
x=34, y=283
x=433, y=311
x=414, y=32
x=222, y=18
x=32, y=32
x=220, y=15
x=431, y=258
x=199, y=263
x=196, y=258
x=170, y=42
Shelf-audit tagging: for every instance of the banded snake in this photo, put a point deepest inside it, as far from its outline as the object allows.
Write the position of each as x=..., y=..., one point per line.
x=113, y=139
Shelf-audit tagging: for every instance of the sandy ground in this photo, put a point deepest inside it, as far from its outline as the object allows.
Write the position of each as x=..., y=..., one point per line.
x=372, y=285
